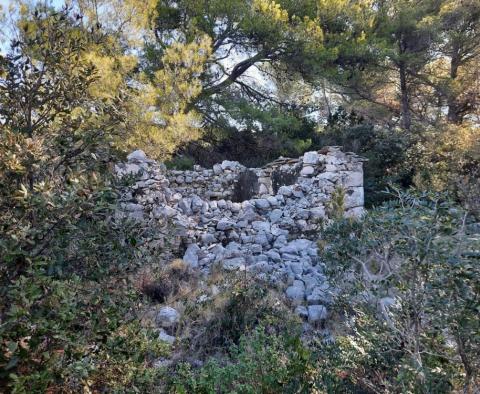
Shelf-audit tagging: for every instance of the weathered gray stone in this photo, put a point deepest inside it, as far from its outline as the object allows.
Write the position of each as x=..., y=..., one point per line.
x=230, y=165
x=262, y=203
x=218, y=251
x=295, y=293
x=290, y=257
x=167, y=317
x=317, y=212
x=263, y=189
x=196, y=203
x=307, y=171
x=255, y=248
x=233, y=235
x=295, y=246
x=356, y=212
x=261, y=239
x=260, y=267
x=311, y=158
x=319, y=295
x=354, y=197
x=225, y=224
x=208, y=238
x=274, y=255
x=237, y=263
x=296, y=268
x=273, y=201
x=164, y=337
x=131, y=207
x=191, y=255
x=130, y=169
x=261, y=226
x=261, y=257
x=185, y=205
x=280, y=242
x=217, y=169
x=301, y=311
x=316, y=313
x=164, y=212
x=351, y=178
x=276, y=231
x=138, y=155
x=285, y=191
x=275, y=215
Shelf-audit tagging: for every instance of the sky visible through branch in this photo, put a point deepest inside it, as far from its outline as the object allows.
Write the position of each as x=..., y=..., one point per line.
x=5, y=28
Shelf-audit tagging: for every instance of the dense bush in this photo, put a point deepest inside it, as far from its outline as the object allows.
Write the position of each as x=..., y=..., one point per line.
x=262, y=362
x=236, y=306
x=408, y=278
x=69, y=335
x=66, y=324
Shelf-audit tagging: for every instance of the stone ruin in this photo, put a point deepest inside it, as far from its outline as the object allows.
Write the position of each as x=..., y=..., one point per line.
x=264, y=221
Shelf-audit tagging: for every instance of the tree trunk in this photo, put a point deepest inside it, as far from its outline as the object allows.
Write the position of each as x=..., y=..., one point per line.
x=404, y=99
x=453, y=110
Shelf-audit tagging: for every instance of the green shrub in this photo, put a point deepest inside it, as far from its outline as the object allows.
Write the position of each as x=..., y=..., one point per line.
x=408, y=276
x=181, y=163
x=68, y=309
x=263, y=362
x=447, y=158
x=65, y=335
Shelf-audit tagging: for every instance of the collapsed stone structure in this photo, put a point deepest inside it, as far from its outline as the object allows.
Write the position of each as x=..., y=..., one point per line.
x=261, y=220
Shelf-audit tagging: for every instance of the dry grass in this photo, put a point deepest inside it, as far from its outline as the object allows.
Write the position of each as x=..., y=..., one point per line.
x=172, y=282
x=216, y=311
x=233, y=305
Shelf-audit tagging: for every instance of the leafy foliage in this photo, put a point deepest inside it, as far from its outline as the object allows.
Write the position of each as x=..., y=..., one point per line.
x=262, y=363
x=409, y=280
x=447, y=159
x=69, y=335
x=65, y=328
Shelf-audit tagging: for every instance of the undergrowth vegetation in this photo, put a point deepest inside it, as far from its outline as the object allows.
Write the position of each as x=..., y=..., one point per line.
x=408, y=280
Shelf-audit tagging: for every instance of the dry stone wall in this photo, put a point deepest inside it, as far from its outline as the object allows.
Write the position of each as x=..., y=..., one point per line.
x=230, y=180
x=261, y=220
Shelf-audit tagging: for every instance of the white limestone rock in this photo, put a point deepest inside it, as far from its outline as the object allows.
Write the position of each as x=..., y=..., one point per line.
x=164, y=337
x=295, y=294
x=167, y=317
x=285, y=191
x=225, y=224
x=354, y=197
x=137, y=155
x=191, y=255
x=262, y=203
x=237, y=263
x=311, y=158
x=307, y=171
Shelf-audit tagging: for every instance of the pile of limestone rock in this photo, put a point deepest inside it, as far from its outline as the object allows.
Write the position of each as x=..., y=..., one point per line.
x=262, y=221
